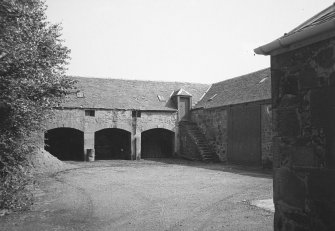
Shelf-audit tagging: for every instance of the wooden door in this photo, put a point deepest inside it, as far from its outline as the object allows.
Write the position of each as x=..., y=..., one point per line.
x=244, y=135
x=184, y=108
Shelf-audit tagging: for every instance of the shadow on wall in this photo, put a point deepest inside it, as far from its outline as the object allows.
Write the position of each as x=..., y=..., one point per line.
x=112, y=144
x=65, y=143
x=157, y=143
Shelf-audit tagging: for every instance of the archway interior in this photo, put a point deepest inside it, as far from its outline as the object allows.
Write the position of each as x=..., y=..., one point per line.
x=112, y=143
x=157, y=143
x=65, y=143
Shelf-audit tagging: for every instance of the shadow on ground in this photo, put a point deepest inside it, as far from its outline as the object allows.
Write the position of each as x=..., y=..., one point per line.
x=236, y=169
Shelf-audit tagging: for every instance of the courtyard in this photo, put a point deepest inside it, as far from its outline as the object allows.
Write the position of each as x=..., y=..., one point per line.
x=156, y=194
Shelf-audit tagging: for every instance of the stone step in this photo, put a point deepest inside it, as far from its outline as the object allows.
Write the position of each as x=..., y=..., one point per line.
x=200, y=140
x=204, y=147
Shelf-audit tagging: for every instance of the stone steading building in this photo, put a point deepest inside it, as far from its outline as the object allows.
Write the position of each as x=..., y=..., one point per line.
x=128, y=119
x=235, y=117
x=303, y=103
x=120, y=119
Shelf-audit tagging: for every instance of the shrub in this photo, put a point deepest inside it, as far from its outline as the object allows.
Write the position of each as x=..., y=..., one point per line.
x=32, y=80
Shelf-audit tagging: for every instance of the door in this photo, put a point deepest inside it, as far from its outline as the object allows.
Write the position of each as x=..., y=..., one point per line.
x=184, y=108
x=244, y=135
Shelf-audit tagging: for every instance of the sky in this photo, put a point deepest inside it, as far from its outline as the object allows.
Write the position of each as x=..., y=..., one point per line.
x=203, y=41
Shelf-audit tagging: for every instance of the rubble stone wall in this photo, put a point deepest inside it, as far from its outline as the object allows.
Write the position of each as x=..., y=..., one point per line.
x=303, y=94
x=266, y=135
x=151, y=120
x=121, y=119
x=214, y=124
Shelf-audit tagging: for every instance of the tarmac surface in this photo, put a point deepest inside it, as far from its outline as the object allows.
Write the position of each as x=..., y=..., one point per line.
x=161, y=194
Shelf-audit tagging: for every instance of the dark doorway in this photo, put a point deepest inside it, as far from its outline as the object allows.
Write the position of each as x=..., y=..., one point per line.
x=112, y=143
x=157, y=143
x=65, y=143
x=184, y=108
x=244, y=135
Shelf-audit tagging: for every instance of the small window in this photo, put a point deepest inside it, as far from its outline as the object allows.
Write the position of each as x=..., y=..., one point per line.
x=263, y=80
x=212, y=97
x=89, y=113
x=136, y=114
x=161, y=98
x=80, y=94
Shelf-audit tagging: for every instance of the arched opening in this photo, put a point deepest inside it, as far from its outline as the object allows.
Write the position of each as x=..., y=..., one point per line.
x=65, y=143
x=157, y=143
x=112, y=143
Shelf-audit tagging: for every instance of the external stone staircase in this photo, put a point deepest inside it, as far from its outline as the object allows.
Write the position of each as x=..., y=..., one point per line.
x=199, y=141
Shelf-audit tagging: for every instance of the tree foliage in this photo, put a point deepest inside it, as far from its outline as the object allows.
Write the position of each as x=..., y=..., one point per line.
x=33, y=61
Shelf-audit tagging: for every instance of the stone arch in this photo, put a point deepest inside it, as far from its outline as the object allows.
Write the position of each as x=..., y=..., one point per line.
x=112, y=143
x=65, y=143
x=76, y=126
x=169, y=127
x=157, y=143
x=124, y=127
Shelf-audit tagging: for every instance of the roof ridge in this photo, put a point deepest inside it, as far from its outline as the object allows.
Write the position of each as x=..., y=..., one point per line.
x=242, y=76
x=311, y=20
x=134, y=80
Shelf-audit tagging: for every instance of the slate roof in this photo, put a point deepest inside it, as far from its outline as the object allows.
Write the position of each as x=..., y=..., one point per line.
x=319, y=27
x=129, y=94
x=252, y=87
x=324, y=16
x=180, y=92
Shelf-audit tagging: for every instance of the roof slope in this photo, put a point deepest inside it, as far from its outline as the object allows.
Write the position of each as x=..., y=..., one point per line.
x=319, y=27
x=247, y=88
x=324, y=16
x=129, y=94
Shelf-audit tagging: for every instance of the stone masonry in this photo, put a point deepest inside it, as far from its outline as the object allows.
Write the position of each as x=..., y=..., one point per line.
x=214, y=124
x=304, y=152
x=266, y=135
x=122, y=119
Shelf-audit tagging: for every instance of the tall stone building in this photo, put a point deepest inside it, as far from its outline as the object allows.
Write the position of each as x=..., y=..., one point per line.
x=303, y=104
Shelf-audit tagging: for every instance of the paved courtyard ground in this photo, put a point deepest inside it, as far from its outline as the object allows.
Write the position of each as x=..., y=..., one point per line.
x=162, y=194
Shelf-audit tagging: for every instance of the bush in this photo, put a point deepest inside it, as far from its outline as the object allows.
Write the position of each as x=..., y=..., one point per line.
x=32, y=81
x=14, y=191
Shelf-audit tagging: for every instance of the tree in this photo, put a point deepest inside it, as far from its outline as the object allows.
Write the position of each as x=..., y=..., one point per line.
x=32, y=80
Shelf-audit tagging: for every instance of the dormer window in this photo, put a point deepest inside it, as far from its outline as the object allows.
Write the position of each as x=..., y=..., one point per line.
x=80, y=94
x=161, y=98
x=212, y=97
x=263, y=80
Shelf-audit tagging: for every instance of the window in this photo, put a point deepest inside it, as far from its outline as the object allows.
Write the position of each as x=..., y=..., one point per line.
x=161, y=98
x=212, y=97
x=136, y=113
x=80, y=94
x=263, y=80
x=89, y=113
